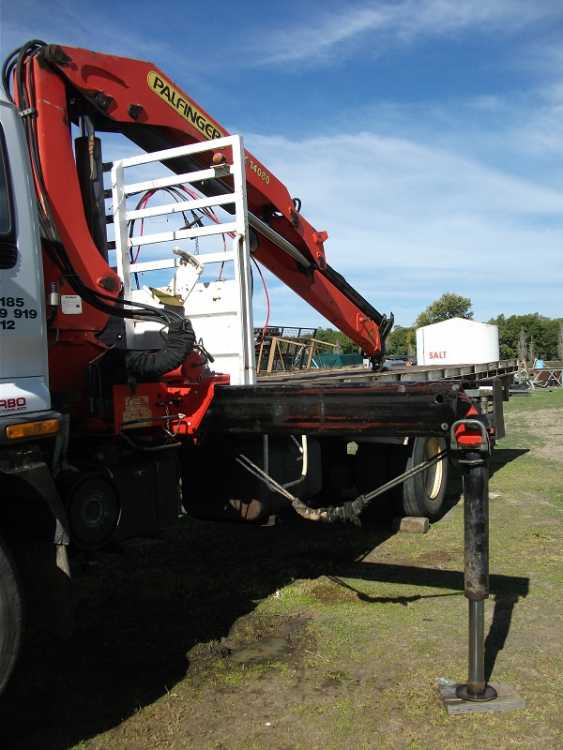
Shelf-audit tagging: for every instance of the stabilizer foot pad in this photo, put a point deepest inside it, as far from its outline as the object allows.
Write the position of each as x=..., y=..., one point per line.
x=507, y=699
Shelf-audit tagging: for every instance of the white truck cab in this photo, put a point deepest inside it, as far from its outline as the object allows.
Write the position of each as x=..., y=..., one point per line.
x=26, y=483
x=24, y=384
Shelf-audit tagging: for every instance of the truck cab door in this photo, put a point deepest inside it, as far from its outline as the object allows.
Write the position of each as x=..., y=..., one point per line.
x=23, y=330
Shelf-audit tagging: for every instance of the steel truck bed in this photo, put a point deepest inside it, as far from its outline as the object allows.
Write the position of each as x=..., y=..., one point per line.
x=469, y=375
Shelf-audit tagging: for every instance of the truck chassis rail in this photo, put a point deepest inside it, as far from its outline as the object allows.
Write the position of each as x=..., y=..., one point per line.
x=334, y=409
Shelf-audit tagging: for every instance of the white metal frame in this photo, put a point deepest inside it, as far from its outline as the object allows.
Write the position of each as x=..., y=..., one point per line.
x=239, y=254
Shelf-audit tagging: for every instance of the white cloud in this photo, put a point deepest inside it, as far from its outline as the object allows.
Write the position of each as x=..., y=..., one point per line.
x=540, y=131
x=416, y=213
x=391, y=22
x=407, y=222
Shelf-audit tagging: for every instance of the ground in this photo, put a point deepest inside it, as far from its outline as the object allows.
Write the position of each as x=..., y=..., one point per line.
x=291, y=637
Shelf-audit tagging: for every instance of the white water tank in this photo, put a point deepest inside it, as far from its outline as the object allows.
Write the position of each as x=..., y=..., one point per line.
x=457, y=341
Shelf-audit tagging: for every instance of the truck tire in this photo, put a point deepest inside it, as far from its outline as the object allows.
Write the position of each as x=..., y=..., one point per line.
x=11, y=615
x=424, y=494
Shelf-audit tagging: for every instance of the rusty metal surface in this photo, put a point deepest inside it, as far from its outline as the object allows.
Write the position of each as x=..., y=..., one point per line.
x=431, y=373
x=397, y=409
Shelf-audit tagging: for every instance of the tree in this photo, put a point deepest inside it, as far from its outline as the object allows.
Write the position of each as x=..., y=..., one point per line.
x=448, y=306
x=522, y=347
x=531, y=351
x=401, y=341
x=540, y=332
x=332, y=336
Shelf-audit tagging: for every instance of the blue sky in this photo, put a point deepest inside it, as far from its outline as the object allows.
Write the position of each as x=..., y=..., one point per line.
x=426, y=136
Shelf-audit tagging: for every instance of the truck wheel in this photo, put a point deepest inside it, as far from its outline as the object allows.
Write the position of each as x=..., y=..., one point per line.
x=424, y=494
x=11, y=615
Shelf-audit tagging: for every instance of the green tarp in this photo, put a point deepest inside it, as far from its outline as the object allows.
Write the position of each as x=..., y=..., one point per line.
x=325, y=361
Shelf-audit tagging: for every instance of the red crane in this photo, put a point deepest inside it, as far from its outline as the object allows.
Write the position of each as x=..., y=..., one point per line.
x=60, y=86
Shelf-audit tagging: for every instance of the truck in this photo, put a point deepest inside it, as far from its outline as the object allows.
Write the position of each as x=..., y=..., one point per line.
x=127, y=407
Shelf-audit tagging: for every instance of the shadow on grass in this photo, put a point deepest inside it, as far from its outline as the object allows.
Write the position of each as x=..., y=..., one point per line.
x=500, y=626
x=503, y=456
x=500, y=458
x=403, y=600
x=140, y=612
x=506, y=590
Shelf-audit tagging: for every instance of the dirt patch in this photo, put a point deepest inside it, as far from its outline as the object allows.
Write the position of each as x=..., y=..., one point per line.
x=262, y=640
x=433, y=558
x=547, y=425
x=436, y=558
x=332, y=592
x=265, y=650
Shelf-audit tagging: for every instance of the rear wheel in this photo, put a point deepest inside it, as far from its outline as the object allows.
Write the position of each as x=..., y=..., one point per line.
x=11, y=615
x=424, y=494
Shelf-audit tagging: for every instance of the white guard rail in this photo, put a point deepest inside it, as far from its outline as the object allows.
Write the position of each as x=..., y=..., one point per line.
x=239, y=341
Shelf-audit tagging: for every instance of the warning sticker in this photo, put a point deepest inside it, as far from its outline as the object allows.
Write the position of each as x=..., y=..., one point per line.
x=136, y=411
x=71, y=304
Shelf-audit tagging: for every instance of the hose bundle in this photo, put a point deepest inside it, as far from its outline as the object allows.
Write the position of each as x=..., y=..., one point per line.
x=149, y=365
x=348, y=512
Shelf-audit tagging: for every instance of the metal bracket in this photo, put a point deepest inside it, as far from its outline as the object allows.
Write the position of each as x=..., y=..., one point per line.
x=484, y=446
x=29, y=112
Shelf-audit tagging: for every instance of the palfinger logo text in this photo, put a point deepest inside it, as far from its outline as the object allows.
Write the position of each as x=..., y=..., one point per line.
x=183, y=106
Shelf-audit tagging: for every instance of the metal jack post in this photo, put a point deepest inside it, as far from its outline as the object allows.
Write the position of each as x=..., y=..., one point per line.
x=470, y=445
x=474, y=461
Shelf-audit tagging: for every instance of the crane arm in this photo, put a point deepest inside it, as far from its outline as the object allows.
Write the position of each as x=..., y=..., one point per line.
x=137, y=99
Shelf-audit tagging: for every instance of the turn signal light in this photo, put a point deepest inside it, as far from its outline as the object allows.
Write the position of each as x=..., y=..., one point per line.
x=42, y=428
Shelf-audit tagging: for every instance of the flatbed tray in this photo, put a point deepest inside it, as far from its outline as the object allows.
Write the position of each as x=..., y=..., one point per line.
x=468, y=374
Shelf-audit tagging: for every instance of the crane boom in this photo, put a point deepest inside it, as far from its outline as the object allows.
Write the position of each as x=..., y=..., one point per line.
x=137, y=99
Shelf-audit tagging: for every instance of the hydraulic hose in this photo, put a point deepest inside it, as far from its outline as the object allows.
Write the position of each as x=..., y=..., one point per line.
x=149, y=364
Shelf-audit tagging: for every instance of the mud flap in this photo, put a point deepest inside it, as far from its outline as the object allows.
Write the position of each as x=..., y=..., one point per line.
x=43, y=561
x=37, y=476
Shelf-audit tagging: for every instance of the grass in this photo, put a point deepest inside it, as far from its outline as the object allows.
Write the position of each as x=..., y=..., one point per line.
x=297, y=638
